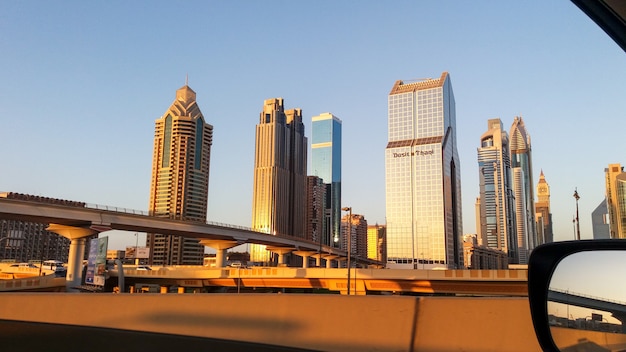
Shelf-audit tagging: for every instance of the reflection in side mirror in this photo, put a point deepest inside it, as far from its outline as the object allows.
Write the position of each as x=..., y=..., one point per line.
x=587, y=302
x=577, y=295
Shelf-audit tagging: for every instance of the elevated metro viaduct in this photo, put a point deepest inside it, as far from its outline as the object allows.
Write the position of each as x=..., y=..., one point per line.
x=617, y=309
x=77, y=223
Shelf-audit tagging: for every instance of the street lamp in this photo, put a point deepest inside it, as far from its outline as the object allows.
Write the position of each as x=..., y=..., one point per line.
x=349, y=209
x=577, y=197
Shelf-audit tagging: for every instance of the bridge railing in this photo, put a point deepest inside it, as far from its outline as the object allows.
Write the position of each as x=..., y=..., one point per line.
x=603, y=299
x=116, y=209
x=147, y=213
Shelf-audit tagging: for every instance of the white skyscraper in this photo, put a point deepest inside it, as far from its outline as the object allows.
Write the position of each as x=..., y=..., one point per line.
x=423, y=184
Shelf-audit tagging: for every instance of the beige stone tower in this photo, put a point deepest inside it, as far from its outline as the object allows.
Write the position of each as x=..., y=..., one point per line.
x=279, y=191
x=180, y=177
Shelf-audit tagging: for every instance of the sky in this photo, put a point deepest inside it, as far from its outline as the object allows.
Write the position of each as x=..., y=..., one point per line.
x=82, y=83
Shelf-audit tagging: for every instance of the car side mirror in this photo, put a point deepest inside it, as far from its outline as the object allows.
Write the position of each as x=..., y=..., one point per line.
x=577, y=295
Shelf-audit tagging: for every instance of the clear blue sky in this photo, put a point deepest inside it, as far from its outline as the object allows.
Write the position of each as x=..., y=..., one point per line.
x=82, y=82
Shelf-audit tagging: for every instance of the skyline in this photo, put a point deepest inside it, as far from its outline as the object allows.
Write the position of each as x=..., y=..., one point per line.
x=84, y=87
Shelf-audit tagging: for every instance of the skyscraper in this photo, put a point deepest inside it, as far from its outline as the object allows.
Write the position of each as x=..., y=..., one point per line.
x=600, y=222
x=497, y=207
x=542, y=209
x=280, y=180
x=523, y=189
x=355, y=227
x=180, y=177
x=316, y=209
x=422, y=176
x=616, y=199
x=326, y=164
x=377, y=242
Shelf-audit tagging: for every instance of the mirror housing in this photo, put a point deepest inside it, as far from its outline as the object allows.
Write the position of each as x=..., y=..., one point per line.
x=541, y=266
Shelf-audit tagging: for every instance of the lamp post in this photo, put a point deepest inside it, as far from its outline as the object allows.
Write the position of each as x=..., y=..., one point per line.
x=577, y=197
x=349, y=249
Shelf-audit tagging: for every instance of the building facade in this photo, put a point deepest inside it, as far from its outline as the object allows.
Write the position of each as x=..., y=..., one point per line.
x=356, y=228
x=377, y=243
x=497, y=206
x=616, y=200
x=479, y=257
x=523, y=189
x=280, y=175
x=316, y=209
x=600, y=222
x=326, y=164
x=543, y=216
x=180, y=178
x=422, y=176
x=23, y=241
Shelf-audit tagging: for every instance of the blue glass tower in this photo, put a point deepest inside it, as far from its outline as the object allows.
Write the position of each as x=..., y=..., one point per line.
x=326, y=164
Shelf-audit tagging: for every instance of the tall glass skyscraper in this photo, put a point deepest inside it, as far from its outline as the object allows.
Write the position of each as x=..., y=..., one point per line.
x=326, y=164
x=280, y=177
x=497, y=207
x=523, y=189
x=423, y=183
x=180, y=177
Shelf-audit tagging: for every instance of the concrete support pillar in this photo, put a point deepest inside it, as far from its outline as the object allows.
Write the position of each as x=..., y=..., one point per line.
x=76, y=235
x=74, y=274
x=220, y=246
x=318, y=258
x=329, y=260
x=305, y=257
x=281, y=251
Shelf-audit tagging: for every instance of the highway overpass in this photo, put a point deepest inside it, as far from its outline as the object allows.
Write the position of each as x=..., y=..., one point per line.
x=617, y=309
x=104, y=218
x=362, y=281
x=77, y=223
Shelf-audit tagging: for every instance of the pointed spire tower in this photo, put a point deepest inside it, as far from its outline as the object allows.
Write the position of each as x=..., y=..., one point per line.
x=542, y=211
x=522, y=174
x=180, y=177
